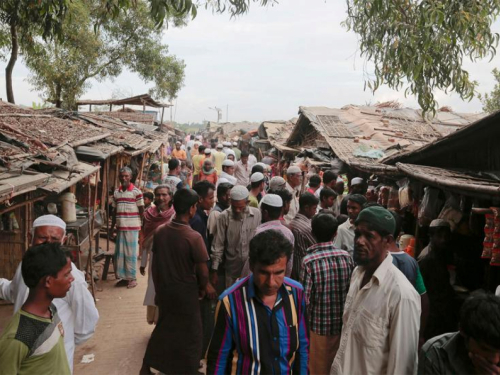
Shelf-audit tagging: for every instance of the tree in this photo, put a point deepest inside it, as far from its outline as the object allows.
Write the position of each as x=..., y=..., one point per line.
x=42, y=16
x=62, y=68
x=421, y=44
x=491, y=101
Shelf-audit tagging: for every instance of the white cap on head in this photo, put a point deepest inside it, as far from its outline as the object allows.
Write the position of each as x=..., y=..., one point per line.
x=263, y=165
x=439, y=223
x=272, y=200
x=235, y=143
x=228, y=163
x=49, y=221
x=293, y=169
x=239, y=193
x=197, y=143
x=208, y=151
x=231, y=152
x=223, y=180
x=257, y=176
x=226, y=143
x=178, y=143
x=356, y=181
x=277, y=182
x=219, y=145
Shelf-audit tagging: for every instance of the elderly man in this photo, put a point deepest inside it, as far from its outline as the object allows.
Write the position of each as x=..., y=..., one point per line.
x=155, y=216
x=345, y=233
x=260, y=322
x=382, y=310
x=77, y=310
x=128, y=210
x=302, y=231
x=235, y=228
x=228, y=171
x=242, y=170
x=294, y=179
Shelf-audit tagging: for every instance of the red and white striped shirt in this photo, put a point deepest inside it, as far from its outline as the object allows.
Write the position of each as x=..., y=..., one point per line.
x=127, y=205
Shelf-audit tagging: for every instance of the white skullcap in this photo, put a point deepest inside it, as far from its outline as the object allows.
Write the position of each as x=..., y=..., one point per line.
x=219, y=145
x=228, y=163
x=223, y=180
x=227, y=143
x=178, y=143
x=208, y=151
x=263, y=165
x=239, y=193
x=340, y=179
x=231, y=152
x=356, y=181
x=49, y=221
x=277, y=182
x=198, y=137
x=235, y=143
x=272, y=200
x=293, y=169
x=257, y=176
x=439, y=223
x=197, y=143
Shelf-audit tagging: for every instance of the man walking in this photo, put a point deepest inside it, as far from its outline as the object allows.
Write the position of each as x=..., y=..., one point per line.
x=260, y=321
x=325, y=276
x=235, y=228
x=345, y=233
x=128, y=210
x=77, y=309
x=155, y=216
x=382, y=310
x=219, y=157
x=180, y=276
x=173, y=181
x=302, y=231
x=177, y=153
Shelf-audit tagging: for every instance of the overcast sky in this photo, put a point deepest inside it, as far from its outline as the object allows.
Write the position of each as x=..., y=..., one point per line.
x=264, y=65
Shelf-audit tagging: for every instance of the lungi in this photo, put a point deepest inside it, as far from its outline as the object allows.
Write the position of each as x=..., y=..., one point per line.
x=322, y=351
x=127, y=247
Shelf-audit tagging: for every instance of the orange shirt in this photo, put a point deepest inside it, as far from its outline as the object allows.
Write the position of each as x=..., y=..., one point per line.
x=181, y=154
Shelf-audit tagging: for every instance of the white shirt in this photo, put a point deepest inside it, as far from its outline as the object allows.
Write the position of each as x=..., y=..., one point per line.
x=77, y=310
x=345, y=237
x=380, y=324
x=294, y=204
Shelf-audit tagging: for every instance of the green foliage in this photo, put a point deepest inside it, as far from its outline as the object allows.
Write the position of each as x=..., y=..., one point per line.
x=491, y=101
x=421, y=44
x=62, y=68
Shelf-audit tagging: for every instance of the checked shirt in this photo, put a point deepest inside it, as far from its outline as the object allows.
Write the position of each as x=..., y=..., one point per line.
x=326, y=274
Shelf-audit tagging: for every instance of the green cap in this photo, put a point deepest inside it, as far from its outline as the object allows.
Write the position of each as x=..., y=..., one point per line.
x=380, y=219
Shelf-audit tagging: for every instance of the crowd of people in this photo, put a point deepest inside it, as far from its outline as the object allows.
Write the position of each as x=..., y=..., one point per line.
x=257, y=271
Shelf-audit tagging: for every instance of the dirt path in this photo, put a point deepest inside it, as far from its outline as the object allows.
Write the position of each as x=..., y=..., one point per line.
x=122, y=333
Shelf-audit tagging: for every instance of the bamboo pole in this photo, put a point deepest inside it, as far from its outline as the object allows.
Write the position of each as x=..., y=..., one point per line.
x=90, y=223
x=107, y=207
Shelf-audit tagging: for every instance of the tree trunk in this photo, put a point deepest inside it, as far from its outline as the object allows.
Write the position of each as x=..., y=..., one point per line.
x=10, y=65
x=58, y=95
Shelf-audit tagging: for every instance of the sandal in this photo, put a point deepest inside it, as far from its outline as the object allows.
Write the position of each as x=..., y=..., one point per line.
x=131, y=284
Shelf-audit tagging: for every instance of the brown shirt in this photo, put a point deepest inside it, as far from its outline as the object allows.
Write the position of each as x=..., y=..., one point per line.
x=176, y=248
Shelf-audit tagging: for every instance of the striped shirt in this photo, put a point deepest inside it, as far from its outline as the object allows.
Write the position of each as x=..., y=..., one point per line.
x=302, y=231
x=126, y=204
x=326, y=274
x=249, y=337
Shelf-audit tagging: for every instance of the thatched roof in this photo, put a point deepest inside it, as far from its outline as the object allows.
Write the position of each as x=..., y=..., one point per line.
x=141, y=100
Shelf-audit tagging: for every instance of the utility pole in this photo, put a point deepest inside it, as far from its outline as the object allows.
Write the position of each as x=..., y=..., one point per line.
x=227, y=112
x=219, y=113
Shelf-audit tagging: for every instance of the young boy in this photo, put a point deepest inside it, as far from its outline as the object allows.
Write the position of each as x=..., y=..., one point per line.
x=33, y=341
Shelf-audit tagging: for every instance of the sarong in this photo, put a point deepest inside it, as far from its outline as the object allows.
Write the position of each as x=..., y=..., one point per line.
x=127, y=247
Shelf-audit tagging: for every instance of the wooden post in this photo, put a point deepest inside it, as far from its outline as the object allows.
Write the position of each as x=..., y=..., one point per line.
x=162, y=113
x=141, y=171
x=107, y=207
x=110, y=107
x=90, y=107
x=90, y=223
x=162, y=153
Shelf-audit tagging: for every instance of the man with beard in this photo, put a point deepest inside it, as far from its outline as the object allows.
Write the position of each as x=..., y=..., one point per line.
x=345, y=233
x=159, y=214
x=294, y=181
x=235, y=228
x=382, y=311
x=180, y=276
x=128, y=209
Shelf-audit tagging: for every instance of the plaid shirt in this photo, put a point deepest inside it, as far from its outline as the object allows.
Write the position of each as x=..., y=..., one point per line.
x=325, y=275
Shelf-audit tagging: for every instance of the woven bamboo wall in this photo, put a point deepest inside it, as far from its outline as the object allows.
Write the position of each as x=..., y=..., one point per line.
x=12, y=246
